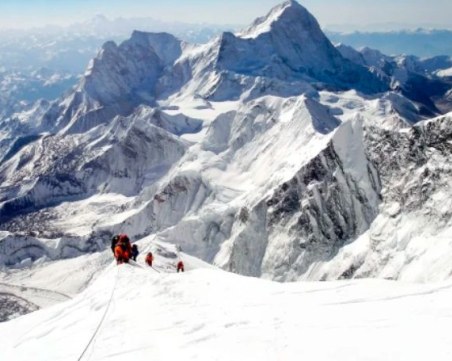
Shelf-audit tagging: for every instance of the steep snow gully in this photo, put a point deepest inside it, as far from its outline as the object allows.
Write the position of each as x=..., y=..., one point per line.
x=268, y=153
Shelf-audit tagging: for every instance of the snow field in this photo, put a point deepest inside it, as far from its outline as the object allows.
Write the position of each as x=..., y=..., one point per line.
x=207, y=314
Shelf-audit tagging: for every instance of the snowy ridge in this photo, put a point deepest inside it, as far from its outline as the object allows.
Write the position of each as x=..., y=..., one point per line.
x=131, y=312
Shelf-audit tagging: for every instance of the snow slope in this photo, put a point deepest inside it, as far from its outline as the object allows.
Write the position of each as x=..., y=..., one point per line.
x=135, y=313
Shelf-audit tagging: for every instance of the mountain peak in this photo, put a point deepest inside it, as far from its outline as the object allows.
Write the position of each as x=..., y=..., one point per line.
x=287, y=12
x=293, y=34
x=288, y=43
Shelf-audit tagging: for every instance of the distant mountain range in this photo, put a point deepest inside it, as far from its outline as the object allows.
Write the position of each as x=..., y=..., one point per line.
x=59, y=55
x=421, y=42
x=70, y=48
x=46, y=62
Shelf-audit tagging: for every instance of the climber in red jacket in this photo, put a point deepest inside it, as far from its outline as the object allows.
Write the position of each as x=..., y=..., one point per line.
x=180, y=266
x=149, y=259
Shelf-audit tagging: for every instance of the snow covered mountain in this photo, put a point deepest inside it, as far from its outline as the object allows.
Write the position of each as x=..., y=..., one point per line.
x=289, y=44
x=421, y=80
x=268, y=153
x=45, y=63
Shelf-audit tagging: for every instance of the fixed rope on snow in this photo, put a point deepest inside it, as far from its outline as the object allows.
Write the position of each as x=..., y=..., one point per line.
x=102, y=319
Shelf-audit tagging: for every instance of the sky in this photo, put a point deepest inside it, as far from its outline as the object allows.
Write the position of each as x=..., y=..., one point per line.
x=347, y=13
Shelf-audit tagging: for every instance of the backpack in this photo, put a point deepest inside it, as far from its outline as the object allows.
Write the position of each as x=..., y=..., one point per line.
x=124, y=242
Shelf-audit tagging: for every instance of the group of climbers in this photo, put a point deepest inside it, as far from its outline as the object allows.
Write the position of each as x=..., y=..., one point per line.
x=123, y=251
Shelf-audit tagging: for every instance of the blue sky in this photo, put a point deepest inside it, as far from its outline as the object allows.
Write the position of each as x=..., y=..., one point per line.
x=21, y=13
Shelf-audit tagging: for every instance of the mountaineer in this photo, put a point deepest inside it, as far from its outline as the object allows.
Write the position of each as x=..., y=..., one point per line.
x=149, y=259
x=180, y=266
x=114, y=240
x=135, y=252
x=123, y=250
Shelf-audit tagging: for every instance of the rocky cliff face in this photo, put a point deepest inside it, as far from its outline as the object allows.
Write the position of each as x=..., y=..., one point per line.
x=411, y=232
x=345, y=192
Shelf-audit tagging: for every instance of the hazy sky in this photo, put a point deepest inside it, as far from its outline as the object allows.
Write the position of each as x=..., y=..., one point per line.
x=26, y=13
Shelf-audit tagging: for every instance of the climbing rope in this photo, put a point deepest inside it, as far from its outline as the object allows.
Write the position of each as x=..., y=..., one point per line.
x=103, y=317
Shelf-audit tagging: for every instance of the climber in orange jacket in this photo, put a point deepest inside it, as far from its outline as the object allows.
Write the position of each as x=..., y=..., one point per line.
x=149, y=259
x=123, y=249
